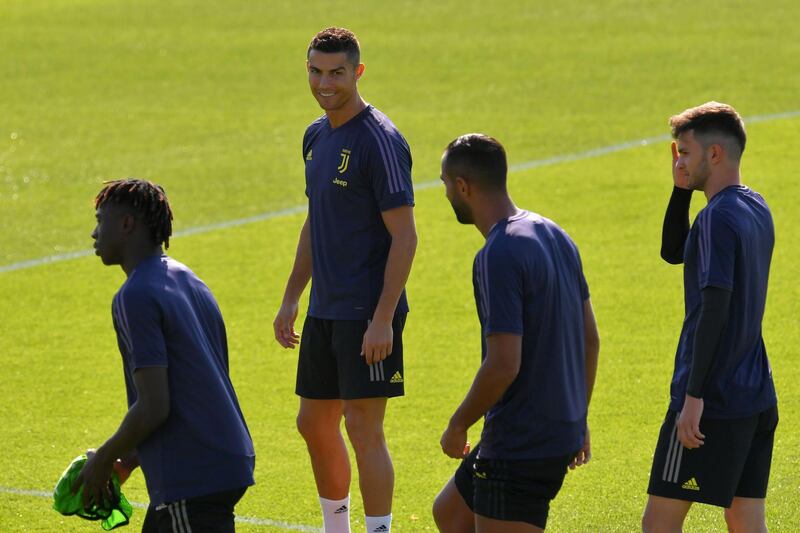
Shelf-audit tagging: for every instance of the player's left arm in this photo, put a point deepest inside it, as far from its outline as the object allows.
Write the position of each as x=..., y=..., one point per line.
x=717, y=248
x=399, y=222
x=497, y=372
x=591, y=340
x=148, y=412
x=714, y=312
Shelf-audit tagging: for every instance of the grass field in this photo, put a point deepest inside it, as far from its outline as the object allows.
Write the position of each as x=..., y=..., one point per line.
x=210, y=99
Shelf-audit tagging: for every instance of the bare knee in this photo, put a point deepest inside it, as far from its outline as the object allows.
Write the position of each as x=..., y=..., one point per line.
x=439, y=511
x=316, y=423
x=450, y=511
x=664, y=515
x=746, y=515
x=648, y=522
x=364, y=432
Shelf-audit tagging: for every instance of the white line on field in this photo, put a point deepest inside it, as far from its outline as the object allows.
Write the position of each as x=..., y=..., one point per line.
x=244, y=519
x=525, y=165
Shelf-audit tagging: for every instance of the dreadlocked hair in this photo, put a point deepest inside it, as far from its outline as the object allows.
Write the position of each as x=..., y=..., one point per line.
x=147, y=198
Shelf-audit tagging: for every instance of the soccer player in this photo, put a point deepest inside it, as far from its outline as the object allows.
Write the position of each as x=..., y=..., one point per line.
x=715, y=445
x=183, y=425
x=356, y=246
x=539, y=347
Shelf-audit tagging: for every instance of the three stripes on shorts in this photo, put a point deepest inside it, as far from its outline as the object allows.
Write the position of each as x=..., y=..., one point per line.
x=672, y=465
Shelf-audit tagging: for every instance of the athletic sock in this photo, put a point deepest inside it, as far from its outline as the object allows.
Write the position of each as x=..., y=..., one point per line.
x=379, y=524
x=336, y=515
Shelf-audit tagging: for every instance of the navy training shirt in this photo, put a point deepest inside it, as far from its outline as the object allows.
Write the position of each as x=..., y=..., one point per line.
x=165, y=316
x=353, y=173
x=529, y=281
x=729, y=247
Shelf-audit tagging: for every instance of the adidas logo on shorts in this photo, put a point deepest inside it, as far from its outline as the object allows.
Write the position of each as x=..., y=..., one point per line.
x=397, y=378
x=691, y=485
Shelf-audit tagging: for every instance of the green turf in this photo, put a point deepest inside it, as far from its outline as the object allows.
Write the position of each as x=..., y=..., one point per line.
x=211, y=100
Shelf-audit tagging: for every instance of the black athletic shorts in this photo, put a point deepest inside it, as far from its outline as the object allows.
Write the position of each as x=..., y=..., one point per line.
x=331, y=366
x=204, y=514
x=734, y=461
x=515, y=491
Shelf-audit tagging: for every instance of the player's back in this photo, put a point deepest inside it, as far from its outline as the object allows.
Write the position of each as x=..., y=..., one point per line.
x=529, y=281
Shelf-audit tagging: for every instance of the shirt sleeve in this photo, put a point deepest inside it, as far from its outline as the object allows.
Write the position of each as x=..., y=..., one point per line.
x=389, y=168
x=717, y=243
x=500, y=279
x=138, y=319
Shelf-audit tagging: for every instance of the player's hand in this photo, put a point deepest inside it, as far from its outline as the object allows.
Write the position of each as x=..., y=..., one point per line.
x=679, y=175
x=689, y=423
x=454, y=442
x=95, y=476
x=584, y=454
x=284, y=325
x=377, y=343
x=124, y=466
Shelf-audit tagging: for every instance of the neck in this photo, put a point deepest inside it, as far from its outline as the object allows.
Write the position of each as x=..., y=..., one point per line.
x=723, y=180
x=352, y=107
x=496, y=209
x=133, y=259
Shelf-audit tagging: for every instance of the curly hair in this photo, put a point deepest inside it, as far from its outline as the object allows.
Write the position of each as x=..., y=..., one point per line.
x=146, y=198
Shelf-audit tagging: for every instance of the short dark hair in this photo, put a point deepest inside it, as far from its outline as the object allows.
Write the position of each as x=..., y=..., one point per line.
x=147, y=199
x=479, y=159
x=333, y=40
x=712, y=118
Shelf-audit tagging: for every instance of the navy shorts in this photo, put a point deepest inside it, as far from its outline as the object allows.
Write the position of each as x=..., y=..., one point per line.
x=331, y=366
x=515, y=491
x=203, y=514
x=734, y=460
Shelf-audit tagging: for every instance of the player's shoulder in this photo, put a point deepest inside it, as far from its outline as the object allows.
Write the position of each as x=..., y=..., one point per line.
x=380, y=127
x=317, y=124
x=313, y=130
x=149, y=279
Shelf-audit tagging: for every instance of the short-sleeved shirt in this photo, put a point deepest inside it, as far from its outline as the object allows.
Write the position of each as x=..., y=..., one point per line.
x=353, y=173
x=165, y=316
x=730, y=247
x=529, y=281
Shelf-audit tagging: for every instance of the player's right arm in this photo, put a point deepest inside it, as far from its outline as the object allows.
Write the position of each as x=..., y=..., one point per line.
x=283, y=324
x=676, y=219
x=497, y=372
x=147, y=413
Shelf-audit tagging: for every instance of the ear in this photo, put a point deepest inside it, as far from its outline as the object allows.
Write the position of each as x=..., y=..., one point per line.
x=128, y=222
x=360, y=70
x=462, y=186
x=716, y=153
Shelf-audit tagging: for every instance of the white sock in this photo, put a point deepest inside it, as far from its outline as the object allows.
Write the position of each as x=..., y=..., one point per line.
x=379, y=524
x=336, y=515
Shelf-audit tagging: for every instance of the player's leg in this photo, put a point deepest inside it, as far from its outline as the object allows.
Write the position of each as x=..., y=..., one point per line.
x=450, y=512
x=364, y=423
x=746, y=515
x=664, y=515
x=365, y=389
x=320, y=414
x=319, y=423
x=747, y=512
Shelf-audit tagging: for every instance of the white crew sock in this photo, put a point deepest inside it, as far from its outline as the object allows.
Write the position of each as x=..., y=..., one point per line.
x=336, y=515
x=379, y=524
